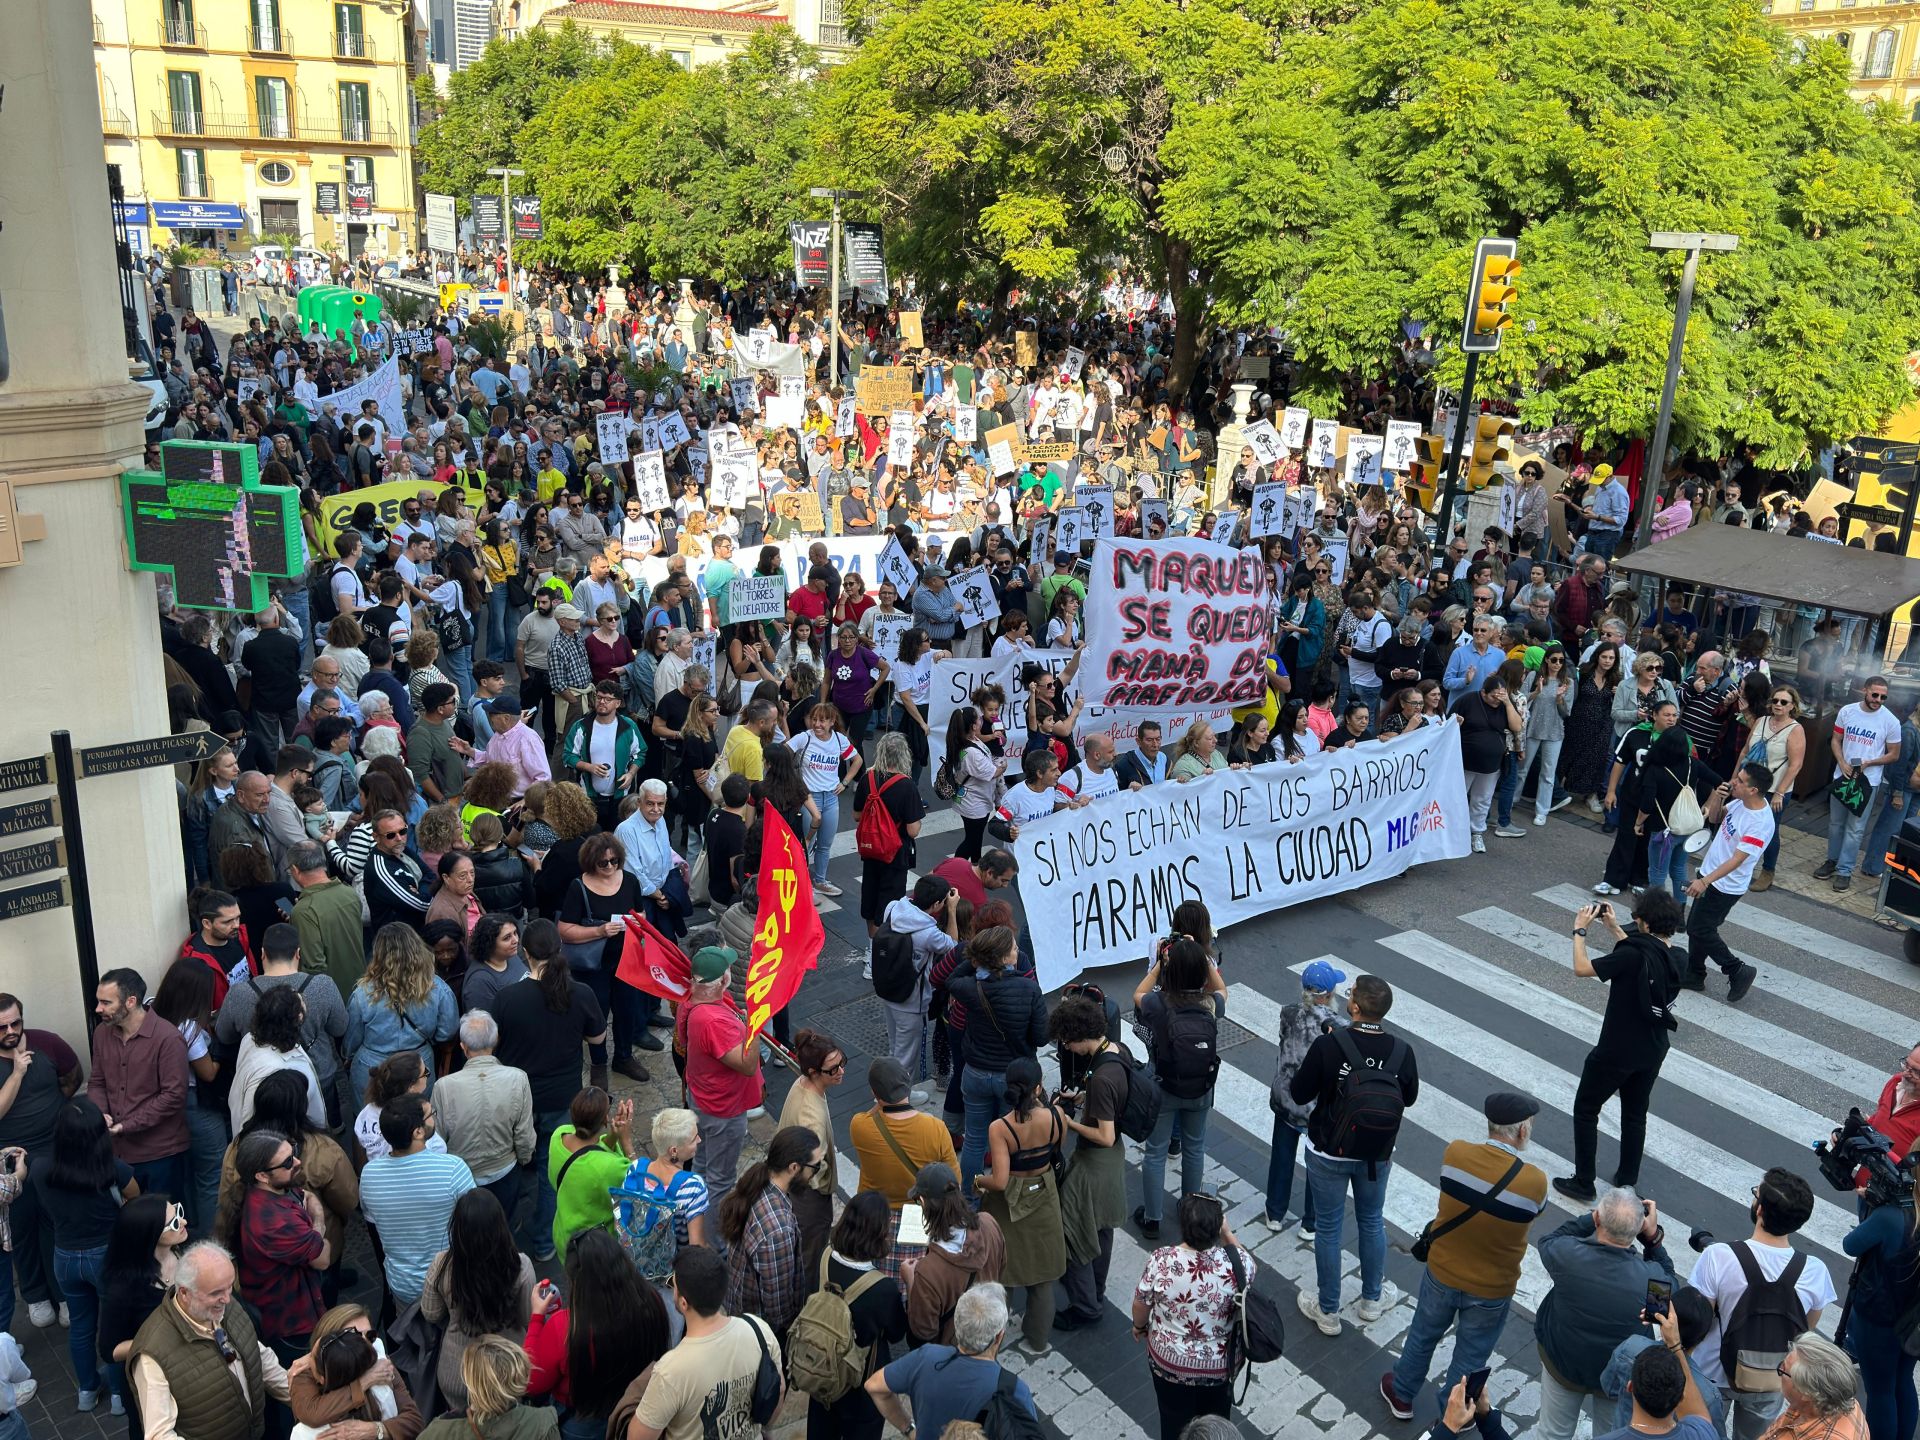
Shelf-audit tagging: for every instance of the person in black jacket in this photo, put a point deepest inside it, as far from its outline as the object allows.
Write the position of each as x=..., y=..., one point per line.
x=1006, y=1020
x=1667, y=766
x=396, y=884
x=272, y=660
x=1350, y=1138
x=1643, y=977
x=502, y=881
x=862, y=1238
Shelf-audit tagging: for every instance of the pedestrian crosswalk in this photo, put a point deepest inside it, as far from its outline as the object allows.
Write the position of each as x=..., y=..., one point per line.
x=1486, y=996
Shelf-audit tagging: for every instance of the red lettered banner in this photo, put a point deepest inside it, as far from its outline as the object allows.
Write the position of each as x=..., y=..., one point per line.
x=1175, y=624
x=787, y=933
x=651, y=962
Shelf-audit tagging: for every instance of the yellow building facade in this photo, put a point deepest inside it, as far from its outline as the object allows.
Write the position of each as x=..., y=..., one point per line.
x=689, y=34
x=234, y=119
x=1882, y=44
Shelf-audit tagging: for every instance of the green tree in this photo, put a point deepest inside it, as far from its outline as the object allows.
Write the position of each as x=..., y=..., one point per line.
x=1344, y=183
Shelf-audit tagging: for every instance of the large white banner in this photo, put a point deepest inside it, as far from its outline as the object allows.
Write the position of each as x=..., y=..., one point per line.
x=1246, y=842
x=1175, y=624
x=383, y=387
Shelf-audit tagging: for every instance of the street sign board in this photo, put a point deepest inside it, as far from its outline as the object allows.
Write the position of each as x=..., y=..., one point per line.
x=32, y=899
x=32, y=859
x=22, y=773
x=185, y=749
x=28, y=815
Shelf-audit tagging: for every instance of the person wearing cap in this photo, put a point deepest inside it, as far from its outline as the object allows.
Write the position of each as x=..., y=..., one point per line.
x=569, y=670
x=856, y=507
x=514, y=744
x=1302, y=1023
x=894, y=1142
x=1489, y=1198
x=1607, y=511
x=723, y=1071
x=1643, y=977
x=935, y=607
x=964, y=1246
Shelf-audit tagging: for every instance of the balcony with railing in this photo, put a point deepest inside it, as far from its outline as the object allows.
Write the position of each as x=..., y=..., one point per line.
x=99, y=32
x=270, y=39
x=349, y=132
x=114, y=122
x=352, y=45
x=211, y=125
x=181, y=33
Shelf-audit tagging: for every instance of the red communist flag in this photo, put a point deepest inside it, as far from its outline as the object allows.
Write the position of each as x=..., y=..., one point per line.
x=787, y=933
x=651, y=962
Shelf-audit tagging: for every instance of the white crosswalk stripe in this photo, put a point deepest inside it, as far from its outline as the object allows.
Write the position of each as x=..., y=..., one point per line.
x=1881, y=965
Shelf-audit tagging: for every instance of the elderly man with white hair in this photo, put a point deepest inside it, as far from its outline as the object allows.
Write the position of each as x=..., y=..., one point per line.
x=1600, y=1264
x=920, y=1393
x=485, y=1112
x=671, y=668
x=198, y=1366
x=1820, y=1385
x=651, y=860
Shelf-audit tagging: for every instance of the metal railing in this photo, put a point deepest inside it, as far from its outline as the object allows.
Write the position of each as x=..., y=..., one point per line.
x=270, y=39
x=179, y=32
x=352, y=45
x=114, y=122
x=205, y=125
x=99, y=32
x=352, y=132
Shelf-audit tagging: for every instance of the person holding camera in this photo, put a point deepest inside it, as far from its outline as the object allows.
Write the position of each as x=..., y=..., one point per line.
x=1886, y=1284
x=1643, y=978
x=1764, y=1294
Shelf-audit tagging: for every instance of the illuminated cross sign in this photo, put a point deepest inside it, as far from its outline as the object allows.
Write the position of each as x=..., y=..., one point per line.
x=208, y=522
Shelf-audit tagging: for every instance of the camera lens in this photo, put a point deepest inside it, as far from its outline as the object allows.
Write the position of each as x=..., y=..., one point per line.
x=1699, y=1240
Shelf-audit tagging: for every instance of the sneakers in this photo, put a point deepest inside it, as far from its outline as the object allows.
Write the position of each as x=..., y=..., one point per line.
x=1741, y=982
x=116, y=1406
x=866, y=970
x=1306, y=1234
x=87, y=1400
x=827, y=887
x=41, y=1313
x=1278, y=1226
x=1575, y=1188
x=1603, y=888
x=1401, y=1410
x=1148, y=1228
x=1310, y=1307
x=1032, y=1349
x=1479, y=843
x=1827, y=867
x=1514, y=832
x=1371, y=1310
x=918, y=1097
x=1593, y=804
x=1763, y=880
x=1560, y=804
x=770, y=1056
x=759, y=1112
x=1539, y=819
x=1843, y=882
x=1173, y=1146
x=25, y=1390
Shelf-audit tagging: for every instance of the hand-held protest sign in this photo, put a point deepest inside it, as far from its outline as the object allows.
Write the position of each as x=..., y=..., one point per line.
x=1069, y=529
x=843, y=425
x=887, y=630
x=966, y=422
x=1026, y=348
x=973, y=593
x=1225, y=525
x=746, y=395
x=1269, y=513
x=1246, y=842
x=1155, y=519
x=673, y=430
x=612, y=429
x=901, y=426
x=1003, y=449
x=706, y=651
x=1095, y=503
x=734, y=479
x=1363, y=459
x=1293, y=427
x=882, y=389
x=1180, y=623
x=1402, y=447
x=910, y=335
x=756, y=597
x=1075, y=359
x=1265, y=442
x=650, y=481
x=789, y=407
x=1323, y=445
x=896, y=567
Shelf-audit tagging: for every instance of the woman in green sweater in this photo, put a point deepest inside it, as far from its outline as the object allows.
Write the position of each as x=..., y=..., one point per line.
x=587, y=1158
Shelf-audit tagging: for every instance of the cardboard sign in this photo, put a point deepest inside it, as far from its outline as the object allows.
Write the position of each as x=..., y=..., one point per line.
x=756, y=597
x=650, y=481
x=882, y=389
x=900, y=440
x=673, y=430
x=1269, y=513
x=1294, y=421
x=1265, y=442
x=966, y=423
x=1003, y=449
x=803, y=506
x=746, y=397
x=1075, y=361
x=1363, y=459
x=1156, y=521
x=1026, y=348
x=1095, y=504
x=1069, y=529
x=1323, y=444
x=887, y=630
x=612, y=430
x=1052, y=452
x=843, y=425
x=1225, y=525
x=1402, y=446
x=973, y=593
x=896, y=568
x=910, y=330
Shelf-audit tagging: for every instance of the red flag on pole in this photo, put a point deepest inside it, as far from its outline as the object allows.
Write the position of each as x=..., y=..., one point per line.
x=651, y=962
x=787, y=934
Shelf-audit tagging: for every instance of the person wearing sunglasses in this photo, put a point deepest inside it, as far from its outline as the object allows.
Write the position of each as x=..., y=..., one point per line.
x=1777, y=740
x=762, y=1233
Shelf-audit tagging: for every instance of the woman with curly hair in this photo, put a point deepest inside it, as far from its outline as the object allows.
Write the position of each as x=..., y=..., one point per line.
x=422, y=650
x=438, y=831
x=399, y=1004
x=490, y=789
x=570, y=813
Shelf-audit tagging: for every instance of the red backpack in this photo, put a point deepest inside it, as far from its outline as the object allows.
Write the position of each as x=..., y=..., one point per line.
x=878, y=834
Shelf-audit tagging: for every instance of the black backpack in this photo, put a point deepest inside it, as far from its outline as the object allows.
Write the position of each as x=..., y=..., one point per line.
x=1184, y=1045
x=1004, y=1417
x=1766, y=1320
x=1369, y=1103
x=1142, y=1110
x=1257, y=1335
x=320, y=602
x=895, y=973
x=452, y=628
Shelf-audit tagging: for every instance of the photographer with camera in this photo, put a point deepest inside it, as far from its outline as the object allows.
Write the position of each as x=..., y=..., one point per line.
x=1765, y=1294
x=1643, y=977
x=1886, y=1275
x=1897, y=1116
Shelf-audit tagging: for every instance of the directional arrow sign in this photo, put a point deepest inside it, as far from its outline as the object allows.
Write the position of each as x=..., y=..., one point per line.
x=28, y=815
x=184, y=749
x=20, y=774
x=32, y=859
x=32, y=899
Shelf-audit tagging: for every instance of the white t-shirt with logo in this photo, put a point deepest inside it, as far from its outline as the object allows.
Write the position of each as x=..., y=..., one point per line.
x=1865, y=735
x=1083, y=779
x=1021, y=803
x=820, y=759
x=1749, y=832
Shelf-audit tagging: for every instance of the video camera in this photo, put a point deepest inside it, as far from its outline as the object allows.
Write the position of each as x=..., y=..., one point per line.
x=1856, y=1146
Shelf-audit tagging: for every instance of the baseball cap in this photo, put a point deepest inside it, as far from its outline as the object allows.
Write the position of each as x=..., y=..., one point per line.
x=504, y=704
x=887, y=1079
x=710, y=962
x=1062, y=557
x=565, y=611
x=934, y=1179
x=1321, y=975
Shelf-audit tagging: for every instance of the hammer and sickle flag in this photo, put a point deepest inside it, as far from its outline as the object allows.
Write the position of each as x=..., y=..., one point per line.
x=787, y=934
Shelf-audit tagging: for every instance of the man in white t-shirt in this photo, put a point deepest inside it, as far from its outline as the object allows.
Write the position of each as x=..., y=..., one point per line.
x=1782, y=1203
x=1035, y=798
x=1094, y=775
x=1744, y=825
x=1866, y=736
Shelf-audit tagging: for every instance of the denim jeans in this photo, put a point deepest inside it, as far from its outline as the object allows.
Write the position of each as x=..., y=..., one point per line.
x=1504, y=792
x=1476, y=1323
x=1192, y=1115
x=1886, y=1374
x=78, y=1273
x=535, y=1234
x=458, y=667
x=1286, y=1144
x=1667, y=856
x=829, y=826
x=207, y=1146
x=1549, y=753
x=1330, y=1180
x=1369, y=695
x=985, y=1095
x=166, y=1176
x=1601, y=542
x=497, y=647
x=1893, y=814
x=1845, y=830
x=1560, y=1409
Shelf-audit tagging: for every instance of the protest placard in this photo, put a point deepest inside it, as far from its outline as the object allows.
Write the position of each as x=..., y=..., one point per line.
x=896, y=567
x=900, y=440
x=746, y=397
x=1269, y=513
x=1041, y=542
x=612, y=430
x=887, y=630
x=1069, y=529
x=1052, y=451
x=966, y=423
x=802, y=507
x=1248, y=842
x=1336, y=552
x=1323, y=444
x=843, y=423
x=673, y=430
x=1402, y=447
x=882, y=389
x=1363, y=459
x=1095, y=504
x=1155, y=519
x=697, y=462
x=756, y=597
x=789, y=406
x=1003, y=449
x=246, y=387
x=973, y=593
x=1181, y=623
x=1026, y=348
x=650, y=434
x=910, y=330
x=1264, y=441
x=735, y=480
x=1075, y=360
x=705, y=648
x=1256, y=367
x=1224, y=526
x=650, y=481
x=1298, y=512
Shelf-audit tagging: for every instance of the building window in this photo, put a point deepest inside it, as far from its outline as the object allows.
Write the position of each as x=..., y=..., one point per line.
x=1880, y=57
x=176, y=22
x=1845, y=41
x=350, y=33
x=356, y=121
x=833, y=26
x=359, y=170
x=183, y=101
x=191, y=170
x=266, y=33
x=276, y=172
x=682, y=58
x=282, y=216
x=272, y=108
x=1798, y=50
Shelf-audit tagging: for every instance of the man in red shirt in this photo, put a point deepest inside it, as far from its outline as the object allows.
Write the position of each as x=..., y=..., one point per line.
x=723, y=1072
x=811, y=601
x=1897, y=1116
x=994, y=870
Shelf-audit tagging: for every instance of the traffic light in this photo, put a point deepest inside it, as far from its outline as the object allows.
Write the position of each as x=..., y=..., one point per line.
x=1492, y=441
x=1490, y=290
x=1424, y=475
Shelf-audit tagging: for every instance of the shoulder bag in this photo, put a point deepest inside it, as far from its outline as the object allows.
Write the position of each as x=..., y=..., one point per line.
x=1423, y=1245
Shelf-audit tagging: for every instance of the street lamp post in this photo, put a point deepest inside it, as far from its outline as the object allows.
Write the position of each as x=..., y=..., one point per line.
x=507, y=174
x=1693, y=242
x=822, y=192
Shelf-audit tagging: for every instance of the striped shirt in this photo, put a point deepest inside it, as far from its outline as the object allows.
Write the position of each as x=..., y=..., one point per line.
x=410, y=1199
x=1482, y=1257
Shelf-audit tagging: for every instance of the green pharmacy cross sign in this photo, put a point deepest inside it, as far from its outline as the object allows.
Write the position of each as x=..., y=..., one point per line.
x=207, y=521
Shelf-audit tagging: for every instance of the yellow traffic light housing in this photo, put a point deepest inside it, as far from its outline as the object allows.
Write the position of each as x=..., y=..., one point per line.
x=1492, y=443
x=1489, y=292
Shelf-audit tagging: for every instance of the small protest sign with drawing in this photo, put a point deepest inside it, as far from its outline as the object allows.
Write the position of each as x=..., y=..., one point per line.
x=1268, y=515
